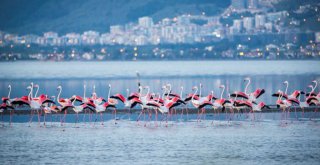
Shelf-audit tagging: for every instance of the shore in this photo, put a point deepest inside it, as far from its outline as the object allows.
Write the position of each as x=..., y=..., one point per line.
x=179, y=110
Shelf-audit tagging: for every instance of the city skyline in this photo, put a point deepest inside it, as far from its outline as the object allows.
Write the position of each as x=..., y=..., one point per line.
x=251, y=28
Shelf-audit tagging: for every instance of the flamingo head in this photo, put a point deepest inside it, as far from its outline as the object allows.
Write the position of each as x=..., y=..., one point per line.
x=200, y=85
x=310, y=86
x=181, y=87
x=314, y=81
x=194, y=88
x=127, y=90
x=36, y=86
x=221, y=86
x=29, y=87
x=109, y=85
x=9, y=86
x=286, y=82
x=246, y=79
x=59, y=87
x=146, y=87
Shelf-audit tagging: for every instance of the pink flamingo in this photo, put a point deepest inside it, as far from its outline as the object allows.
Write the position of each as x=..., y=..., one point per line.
x=199, y=104
x=64, y=102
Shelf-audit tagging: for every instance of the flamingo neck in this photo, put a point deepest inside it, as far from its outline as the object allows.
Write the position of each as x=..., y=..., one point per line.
x=30, y=95
x=192, y=99
x=181, y=92
x=222, y=92
x=286, y=88
x=140, y=92
x=31, y=91
x=109, y=92
x=128, y=93
x=148, y=91
x=212, y=95
x=74, y=100
x=35, y=95
x=315, y=86
x=169, y=89
x=245, y=90
x=200, y=90
x=58, y=97
x=84, y=91
x=9, y=91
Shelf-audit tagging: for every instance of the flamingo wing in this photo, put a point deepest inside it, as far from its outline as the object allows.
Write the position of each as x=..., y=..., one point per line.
x=48, y=101
x=133, y=95
x=153, y=104
x=257, y=93
x=119, y=97
x=239, y=94
x=66, y=107
x=205, y=103
x=20, y=102
x=4, y=99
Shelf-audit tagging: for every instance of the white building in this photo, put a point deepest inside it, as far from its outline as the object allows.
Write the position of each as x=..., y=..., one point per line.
x=237, y=25
x=260, y=21
x=248, y=23
x=116, y=29
x=252, y=4
x=146, y=22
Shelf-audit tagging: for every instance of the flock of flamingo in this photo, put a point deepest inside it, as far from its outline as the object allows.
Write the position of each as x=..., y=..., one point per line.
x=164, y=103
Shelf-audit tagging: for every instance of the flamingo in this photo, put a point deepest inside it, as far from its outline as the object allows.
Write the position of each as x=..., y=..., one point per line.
x=113, y=102
x=36, y=103
x=312, y=93
x=5, y=107
x=64, y=102
x=250, y=96
x=130, y=102
x=219, y=103
x=78, y=109
x=6, y=104
x=101, y=108
x=199, y=104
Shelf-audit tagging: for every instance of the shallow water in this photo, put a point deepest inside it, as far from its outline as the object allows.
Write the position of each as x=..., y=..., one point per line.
x=266, y=140
x=268, y=75
x=235, y=142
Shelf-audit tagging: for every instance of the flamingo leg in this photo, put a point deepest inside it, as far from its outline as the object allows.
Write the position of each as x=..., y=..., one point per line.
x=44, y=120
x=38, y=117
x=2, y=119
x=101, y=118
x=31, y=117
x=11, y=114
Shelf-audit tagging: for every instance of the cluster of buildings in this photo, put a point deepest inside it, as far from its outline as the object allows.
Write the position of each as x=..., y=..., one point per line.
x=186, y=29
x=246, y=20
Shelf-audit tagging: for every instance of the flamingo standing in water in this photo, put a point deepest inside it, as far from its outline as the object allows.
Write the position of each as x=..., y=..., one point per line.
x=64, y=102
x=6, y=104
x=220, y=103
x=312, y=93
x=129, y=102
x=252, y=97
x=199, y=104
x=113, y=102
x=78, y=109
x=99, y=108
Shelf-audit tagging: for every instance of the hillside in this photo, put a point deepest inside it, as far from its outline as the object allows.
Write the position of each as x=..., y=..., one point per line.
x=38, y=16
